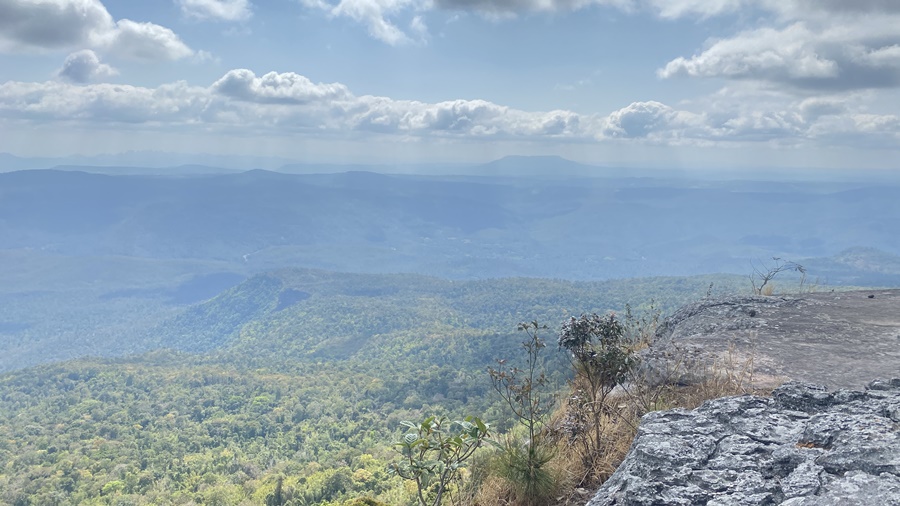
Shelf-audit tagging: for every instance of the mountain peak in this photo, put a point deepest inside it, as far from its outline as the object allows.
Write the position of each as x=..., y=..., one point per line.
x=541, y=165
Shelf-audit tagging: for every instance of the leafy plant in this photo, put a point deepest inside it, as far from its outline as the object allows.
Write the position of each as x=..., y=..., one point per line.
x=525, y=392
x=602, y=358
x=434, y=452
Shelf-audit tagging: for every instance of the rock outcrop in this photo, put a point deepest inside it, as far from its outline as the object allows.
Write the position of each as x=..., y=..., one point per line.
x=803, y=446
x=837, y=339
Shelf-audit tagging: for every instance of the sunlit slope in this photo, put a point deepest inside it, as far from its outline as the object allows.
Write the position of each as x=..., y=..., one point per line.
x=301, y=315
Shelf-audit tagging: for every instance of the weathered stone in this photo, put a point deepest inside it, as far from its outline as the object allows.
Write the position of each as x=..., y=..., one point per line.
x=836, y=339
x=854, y=488
x=803, y=446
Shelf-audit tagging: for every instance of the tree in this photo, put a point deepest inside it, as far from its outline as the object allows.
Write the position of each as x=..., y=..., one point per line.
x=763, y=273
x=523, y=390
x=602, y=358
x=276, y=498
x=435, y=450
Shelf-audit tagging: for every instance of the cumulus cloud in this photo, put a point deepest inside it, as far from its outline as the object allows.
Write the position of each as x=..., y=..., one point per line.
x=286, y=88
x=827, y=45
x=798, y=56
x=72, y=24
x=146, y=41
x=641, y=119
x=768, y=53
x=284, y=101
x=223, y=10
x=84, y=66
x=288, y=102
x=52, y=24
x=170, y=103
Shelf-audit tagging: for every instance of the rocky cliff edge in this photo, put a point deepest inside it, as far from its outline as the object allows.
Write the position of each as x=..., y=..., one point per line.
x=804, y=446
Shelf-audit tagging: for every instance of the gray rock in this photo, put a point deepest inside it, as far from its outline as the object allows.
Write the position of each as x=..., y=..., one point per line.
x=839, y=339
x=803, y=446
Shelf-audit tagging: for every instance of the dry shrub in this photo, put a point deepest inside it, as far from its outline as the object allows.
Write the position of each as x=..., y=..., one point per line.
x=731, y=374
x=580, y=465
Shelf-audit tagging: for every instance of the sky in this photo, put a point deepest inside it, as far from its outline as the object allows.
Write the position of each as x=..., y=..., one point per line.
x=651, y=83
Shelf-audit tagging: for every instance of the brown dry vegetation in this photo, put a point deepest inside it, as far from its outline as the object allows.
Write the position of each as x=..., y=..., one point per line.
x=576, y=472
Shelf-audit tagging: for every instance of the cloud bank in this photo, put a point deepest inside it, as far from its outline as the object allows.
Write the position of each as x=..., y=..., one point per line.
x=289, y=102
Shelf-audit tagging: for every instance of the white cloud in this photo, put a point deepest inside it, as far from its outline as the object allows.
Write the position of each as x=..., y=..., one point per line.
x=84, y=66
x=374, y=14
x=52, y=24
x=171, y=103
x=224, y=10
x=147, y=42
x=639, y=119
x=767, y=53
x=286, y=88
x=827, y=45
x=285, y=103
x=74, y=24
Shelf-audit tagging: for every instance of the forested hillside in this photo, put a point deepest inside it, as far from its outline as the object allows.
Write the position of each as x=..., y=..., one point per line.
x=298, y=374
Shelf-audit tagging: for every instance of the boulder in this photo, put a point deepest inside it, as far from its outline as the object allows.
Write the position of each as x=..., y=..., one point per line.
x=803, y=446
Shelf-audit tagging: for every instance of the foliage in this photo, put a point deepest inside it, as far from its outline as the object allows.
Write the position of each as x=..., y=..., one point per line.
x=526, y=392
x=602, y=358
x=173, y=433
x=435, y=451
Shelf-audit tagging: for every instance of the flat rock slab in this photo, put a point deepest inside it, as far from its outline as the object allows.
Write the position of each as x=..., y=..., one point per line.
x=836, y=339
x=804, y=446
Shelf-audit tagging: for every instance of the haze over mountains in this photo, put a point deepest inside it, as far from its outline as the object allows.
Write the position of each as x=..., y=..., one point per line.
x=454, y=226
x=89, y=257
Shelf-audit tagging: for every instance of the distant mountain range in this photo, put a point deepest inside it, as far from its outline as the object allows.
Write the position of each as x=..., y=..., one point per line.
x=550, y=166
x=458, y=227
x=87, y=258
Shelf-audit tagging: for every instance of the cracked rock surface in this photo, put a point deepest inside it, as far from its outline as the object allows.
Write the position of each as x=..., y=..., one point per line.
x=803, y=446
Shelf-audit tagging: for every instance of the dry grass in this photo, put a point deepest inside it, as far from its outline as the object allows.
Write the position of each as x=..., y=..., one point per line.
x=731, y=375
x=579, y=466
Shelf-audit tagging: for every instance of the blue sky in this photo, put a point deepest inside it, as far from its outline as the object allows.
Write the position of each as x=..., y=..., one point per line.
x=661, y=83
